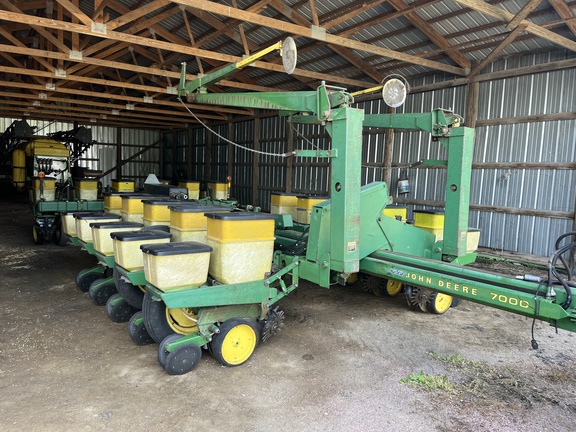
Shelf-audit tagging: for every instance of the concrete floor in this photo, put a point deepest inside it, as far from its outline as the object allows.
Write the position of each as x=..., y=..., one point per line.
x=336, y=366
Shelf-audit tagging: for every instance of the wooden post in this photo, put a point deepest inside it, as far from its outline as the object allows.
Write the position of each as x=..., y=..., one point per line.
x=388, y=147
x=256, y=162
x=472, y=104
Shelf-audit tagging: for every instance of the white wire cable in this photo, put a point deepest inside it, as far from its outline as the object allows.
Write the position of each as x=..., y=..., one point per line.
x=303, y=137
x=283, y=155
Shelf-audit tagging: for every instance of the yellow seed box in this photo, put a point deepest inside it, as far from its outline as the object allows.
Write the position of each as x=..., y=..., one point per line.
x=83, y=221
x=175, y=265
x=127, y=253
x=101, y=234
x=122, y=185
x=433, y=219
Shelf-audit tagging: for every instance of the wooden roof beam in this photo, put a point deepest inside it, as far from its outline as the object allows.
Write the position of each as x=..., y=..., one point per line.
x=523, y=14
x=75, y=12
x=565, y=13
x=492, y=56
x=307, y=32
x=505, y=16
x=432, y=34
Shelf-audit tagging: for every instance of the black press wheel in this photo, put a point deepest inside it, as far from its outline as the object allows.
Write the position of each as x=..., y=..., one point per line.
x=161, y=321
x=162, y=351
x=101, y=290
x=236, y=341
x=133, y=294
x=85, y=278
x=183, y=359
x=137, y=331
x=118, y=310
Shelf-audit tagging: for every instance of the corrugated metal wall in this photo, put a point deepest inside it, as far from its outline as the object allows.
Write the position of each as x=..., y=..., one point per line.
x=539, y=189
x=550, y=141
x=102, y=155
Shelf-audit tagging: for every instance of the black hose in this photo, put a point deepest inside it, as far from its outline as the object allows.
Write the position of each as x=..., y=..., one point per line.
x=554, y=274
x=557, y=246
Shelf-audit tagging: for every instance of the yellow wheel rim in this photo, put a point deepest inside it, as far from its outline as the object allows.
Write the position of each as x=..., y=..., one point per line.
x=35, y=233
x=393, y=288
x=142, y=288
x=442, y=302
x=182, y=320
x=239, y=344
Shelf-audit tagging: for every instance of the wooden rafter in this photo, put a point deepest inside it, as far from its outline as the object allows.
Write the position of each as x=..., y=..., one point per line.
x=565, y=13
x=523, y=14
x=505, y=16
x=490, y=58
x=307, y=32
x=431, y=33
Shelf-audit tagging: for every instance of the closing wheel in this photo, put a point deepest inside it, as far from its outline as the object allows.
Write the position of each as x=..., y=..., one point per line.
x=101, y=290
x=456, y=301
x=236, y=341
x=372, y=284
x=412, y=294
x=162, y=351
x=118, y=310
x=85, y=278
x=438, y=303
x=138, y=331
x=183, y=359
x=161, y=321
x=133, y=294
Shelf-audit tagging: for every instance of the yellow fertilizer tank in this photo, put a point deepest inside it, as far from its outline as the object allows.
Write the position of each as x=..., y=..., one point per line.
x=304, y=207
x=83, y=221
x=86, y=189
x=188, y=223
x=284, y=203
x=43, y=189
x=242, y=245
x=19, y=169
x=175, y=265
x=431, y=221
x=218, y=191
x=193, y=189
x=127, y=253
x=101, y=234
x=472, y=239
x=122, y=185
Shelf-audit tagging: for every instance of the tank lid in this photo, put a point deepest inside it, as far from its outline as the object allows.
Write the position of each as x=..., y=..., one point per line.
x=180, y=248
x=98, y=216
x=140, y=235
x=112, y=225
x=198, y=208
x=240, y=216
x=429, y=211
